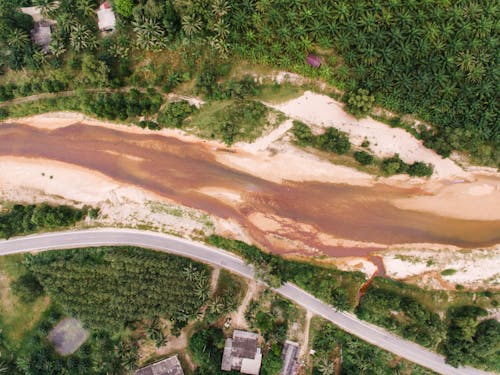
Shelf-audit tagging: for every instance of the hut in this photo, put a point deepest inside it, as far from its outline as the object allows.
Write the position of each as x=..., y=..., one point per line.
x=313, y=60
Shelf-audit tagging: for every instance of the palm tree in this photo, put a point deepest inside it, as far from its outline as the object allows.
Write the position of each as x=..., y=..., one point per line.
x=220, y=8
x=57, y=48
x=190, y=272
x=81, y=38
x=17, y=38
x=325, y=366
x=65, y=22
x=86, y=7
x=46, y=6
x=190, y=25
x=150, y=34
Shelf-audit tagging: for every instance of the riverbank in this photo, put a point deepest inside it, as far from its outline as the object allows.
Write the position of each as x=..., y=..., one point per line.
x=277, y=196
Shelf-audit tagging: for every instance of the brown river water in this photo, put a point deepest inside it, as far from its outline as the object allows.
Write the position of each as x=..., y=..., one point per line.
x=176, y=169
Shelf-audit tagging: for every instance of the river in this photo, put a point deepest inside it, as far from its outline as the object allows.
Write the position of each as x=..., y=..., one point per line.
x=178, y=170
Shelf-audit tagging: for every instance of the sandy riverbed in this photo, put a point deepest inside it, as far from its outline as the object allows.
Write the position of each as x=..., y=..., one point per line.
x=475, y=197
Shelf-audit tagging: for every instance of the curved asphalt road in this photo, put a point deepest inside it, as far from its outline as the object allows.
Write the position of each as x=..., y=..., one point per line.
x=207, y=254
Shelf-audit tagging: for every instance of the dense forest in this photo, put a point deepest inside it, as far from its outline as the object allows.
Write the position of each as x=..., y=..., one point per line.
x=22, y=219
x=108, y=288
x=336, y=348
x=465, y=336
x=435, y=59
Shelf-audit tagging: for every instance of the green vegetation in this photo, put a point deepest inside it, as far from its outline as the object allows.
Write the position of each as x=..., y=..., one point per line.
x=102, y=353
x=471, y=341
x=231, y=121
x=111, y=106
x=448, y=272
x=227, y=297
x=96, y=285
x=360, y=102
x=206, y=346
x=27, y=219
x=415, y=313
x=394, y=165
x=435, y=60
x=335, y=347
x=272, y=316
x=26, y=317
x=333, y=140
x=363, y=157
x=336, y=287
x=175, y=113
x=403, y=315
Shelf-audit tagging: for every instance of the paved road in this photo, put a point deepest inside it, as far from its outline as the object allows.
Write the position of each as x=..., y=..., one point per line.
x=201, y=252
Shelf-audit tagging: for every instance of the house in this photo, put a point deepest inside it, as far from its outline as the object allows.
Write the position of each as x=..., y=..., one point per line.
x=106, y=18
x=169, y=366
x=41, y=33
x=241, y=353
x=290, y=358
x=313, y=60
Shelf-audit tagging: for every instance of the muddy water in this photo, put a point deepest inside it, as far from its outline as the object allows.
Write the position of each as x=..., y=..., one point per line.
x=176, y=169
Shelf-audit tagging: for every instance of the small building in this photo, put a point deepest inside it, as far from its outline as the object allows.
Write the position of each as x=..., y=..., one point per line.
x=313, y=60
x=41, y=33
x=169, y=366
x=241, y=353
x=290, y=358
x=106, y=18
x=67, y=336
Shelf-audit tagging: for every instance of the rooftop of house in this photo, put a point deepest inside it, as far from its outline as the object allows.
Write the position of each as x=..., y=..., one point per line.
x=169, y=366
x=313, y=60
x=42, y=35
x=106, y=17
x=290, y=357
x=241, y=353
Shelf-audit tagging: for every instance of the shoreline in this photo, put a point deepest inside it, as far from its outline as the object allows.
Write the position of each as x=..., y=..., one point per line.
x=471, y=198
x=104, y=188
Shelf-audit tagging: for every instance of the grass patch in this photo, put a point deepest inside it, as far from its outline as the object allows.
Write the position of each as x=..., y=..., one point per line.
x=17, y=318
x=338, y=349
x=336, y=287
x=278, y=93
x=448, y=272
x=231, y=290
x=231, y=120
x=415, y=313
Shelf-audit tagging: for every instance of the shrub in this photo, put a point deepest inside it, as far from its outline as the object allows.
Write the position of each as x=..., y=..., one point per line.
x=420, y=169
x=363, y=157
x=302, y=133
x=27, y=288
x=393, y=165
x=360, y=103
x=448, y=272
x=175, y=113
x=333, y=140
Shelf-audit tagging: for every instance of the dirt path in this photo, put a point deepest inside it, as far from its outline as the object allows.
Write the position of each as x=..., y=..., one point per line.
x=238, y=318
x=304, y=348
x=214, y=278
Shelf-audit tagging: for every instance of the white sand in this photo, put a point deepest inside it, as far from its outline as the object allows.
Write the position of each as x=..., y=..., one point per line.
x=21, y=180
x=474, y=268
x=264, y=142
x=478, y=200
x=323, y=111
x=286, y=162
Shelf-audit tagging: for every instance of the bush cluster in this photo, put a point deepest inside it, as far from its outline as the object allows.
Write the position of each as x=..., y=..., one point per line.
x=173, y=115
x=394, y=165
x=26, y=219
x=332, y=140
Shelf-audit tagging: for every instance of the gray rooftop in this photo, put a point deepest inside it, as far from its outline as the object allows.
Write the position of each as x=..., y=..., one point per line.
x=169, y=366
x=290, y=357
x=241, y=353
